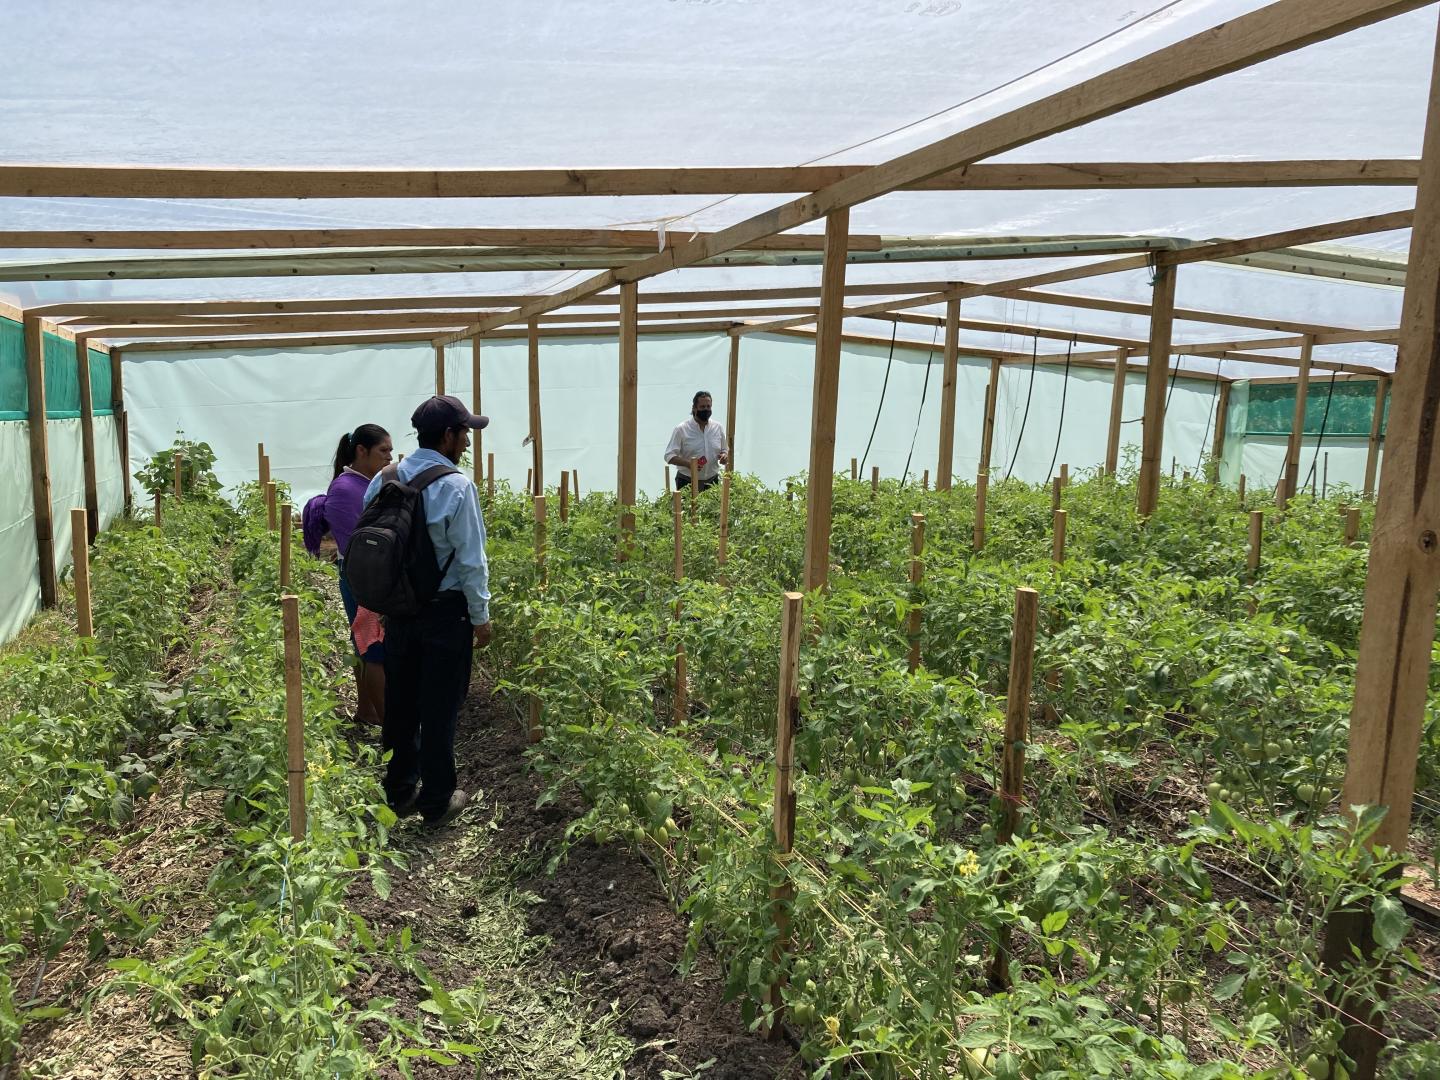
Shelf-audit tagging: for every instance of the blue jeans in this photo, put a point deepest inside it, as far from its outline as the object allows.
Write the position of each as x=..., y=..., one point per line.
x=427, y=675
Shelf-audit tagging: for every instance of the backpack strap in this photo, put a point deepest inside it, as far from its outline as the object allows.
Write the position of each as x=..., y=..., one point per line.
x=430, y=475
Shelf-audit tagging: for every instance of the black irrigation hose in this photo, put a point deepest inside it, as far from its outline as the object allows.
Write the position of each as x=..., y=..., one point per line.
x=1060, y=427
x=1034, y=358
x=1324, y=419
x=883, y=386
x=919, y=413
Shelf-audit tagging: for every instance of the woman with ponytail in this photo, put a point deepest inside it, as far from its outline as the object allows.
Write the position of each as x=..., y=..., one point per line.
x=360, y=455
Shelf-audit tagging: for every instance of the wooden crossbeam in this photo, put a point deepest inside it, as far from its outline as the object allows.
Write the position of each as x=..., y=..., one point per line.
x=228, y=239
x=1273, y=30
x=1222, y=318
x=223, y=182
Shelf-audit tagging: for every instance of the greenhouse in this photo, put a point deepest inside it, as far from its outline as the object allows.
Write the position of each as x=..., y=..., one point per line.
x=1032, y=674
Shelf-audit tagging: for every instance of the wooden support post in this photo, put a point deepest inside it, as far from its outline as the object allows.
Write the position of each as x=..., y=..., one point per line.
x=694, y=491
x=40, y=457
x=731, y=397
x=80, y=551
x=178, y=461
x=1257, y=528
x=680, y=701
x=824, y=400
x=1222, y=416
x=925, y=480
x=783, y=809
x=564, y=495
x=1057, y=547
x=1397, y=632
x=917, y=575
x=87, y=436
x=982, y=484
x=1173, y=463
x=1055, y=487
x=1297, y=425
x=1185, y=476
x=1242, y=491
x=723, y=554
x=667, y=479
x=1017, y=728
x=537, y=445
x=1162, y=313
x=490, y=478
x=1117, y=408
x=629, y=411
x=1372, y=451
x=479, y=450
x=439, y=368
x=1324, y=475
x=159, y=514
x=530, y=481
x=1352, y=525
x=122, y=419
x=945, y=467
x=294, y=716
x=286, y=533
x=539, y=504
x=575, y=483
x=262, y=471
x=987, y=425
x=874, y=480
x=677, y=508
x=271, y=519
x=854, y=468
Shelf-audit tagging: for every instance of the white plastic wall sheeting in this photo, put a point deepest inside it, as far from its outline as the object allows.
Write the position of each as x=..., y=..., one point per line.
x=67, y=485
x=109, y=481
x=299, y=403
x=19, y=566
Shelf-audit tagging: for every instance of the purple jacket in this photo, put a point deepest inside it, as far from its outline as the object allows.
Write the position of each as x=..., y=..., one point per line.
x=335, y=512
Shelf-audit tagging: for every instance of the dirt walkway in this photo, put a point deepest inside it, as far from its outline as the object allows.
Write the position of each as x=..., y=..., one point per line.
x=579, y=964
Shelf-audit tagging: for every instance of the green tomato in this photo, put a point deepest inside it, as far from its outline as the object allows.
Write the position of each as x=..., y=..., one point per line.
x=1213, y=790
x=1317, y=1067
x=638, y=835
x=1305, y=793
x=1273, y=750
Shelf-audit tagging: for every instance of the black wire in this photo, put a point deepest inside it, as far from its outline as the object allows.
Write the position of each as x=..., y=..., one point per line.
x=1060, y=427
x=1034, y=358
x=1324, y=418
x=875, y=426
x=924, y=389
x=1214, y=392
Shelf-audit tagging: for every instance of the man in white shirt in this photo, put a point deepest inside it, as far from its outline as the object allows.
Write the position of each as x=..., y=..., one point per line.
x=701, y=440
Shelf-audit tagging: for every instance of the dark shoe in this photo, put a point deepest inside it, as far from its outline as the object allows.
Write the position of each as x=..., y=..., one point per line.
x=407, y=806
x=458, y=801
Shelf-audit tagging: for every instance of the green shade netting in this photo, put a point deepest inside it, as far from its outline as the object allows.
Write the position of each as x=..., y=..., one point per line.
x=100, y=383
x=1352, y=406
x=14, y=399
x=62, y=379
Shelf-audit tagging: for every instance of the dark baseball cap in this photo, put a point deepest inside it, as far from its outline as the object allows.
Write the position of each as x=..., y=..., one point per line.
x=442, y=412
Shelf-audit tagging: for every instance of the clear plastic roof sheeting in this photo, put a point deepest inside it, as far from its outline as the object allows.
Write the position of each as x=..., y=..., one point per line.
x=674, y=83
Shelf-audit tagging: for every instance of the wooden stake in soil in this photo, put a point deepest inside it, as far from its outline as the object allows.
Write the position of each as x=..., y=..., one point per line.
x=490, y=477
x=1324, y=475
x=668, y=485
x=1055, y=486
x=917, y=575
x=724, y=553
x=982, y=484
x=694, y=491
x=159, y=515
x=677, y=508
x=178, y=462
x=564, y=495
x=1242, y=491
x=575, y=483
x=680, y=701
x=534, y=726
x=286, y=532
x=272, y=521
x=1257, y=526
x=874, y=479
x=80, y=551
x=539, y=502
x=1012, y=762
x=1352, y=525
x=294, y=716
x=787, y=715
x=925, y=480
x=263, y=471
x=1057, y=549
x=1064, y=475
x=1185, y=477
x=854, y=469
x=530, y=481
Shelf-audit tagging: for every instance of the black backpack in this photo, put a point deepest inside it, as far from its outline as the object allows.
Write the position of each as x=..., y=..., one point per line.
x=390, y=560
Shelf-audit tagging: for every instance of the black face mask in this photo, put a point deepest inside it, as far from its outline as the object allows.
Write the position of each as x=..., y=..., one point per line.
x=702, y=414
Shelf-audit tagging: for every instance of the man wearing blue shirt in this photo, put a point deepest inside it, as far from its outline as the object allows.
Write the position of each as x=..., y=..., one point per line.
x=428, y=658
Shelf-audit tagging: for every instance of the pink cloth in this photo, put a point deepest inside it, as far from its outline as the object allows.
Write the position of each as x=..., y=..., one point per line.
x=366, y=629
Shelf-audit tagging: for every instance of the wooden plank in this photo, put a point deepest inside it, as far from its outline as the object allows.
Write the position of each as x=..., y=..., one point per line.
x=917, y=577
x=122, y=418
x=39, y=457
x=439, y=368
x=1297, y=429
x=1274, y=30
x=1117, y=406
x=987, y=425
x=80, y=560
x=824, y=401
x=945, y=466
x=1372, y=451
x=294, y=716
x=235, y=239
x=87, y=435
x=476, y=408
x=44, y=180
x=732, y=395
x=629, y=413
x=1309, y=234
x=1222, y=413
x=537, y=444
x=1098, y=303
x=1156, y=378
